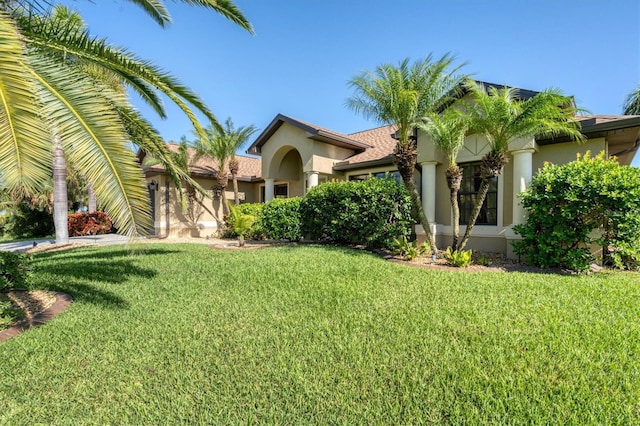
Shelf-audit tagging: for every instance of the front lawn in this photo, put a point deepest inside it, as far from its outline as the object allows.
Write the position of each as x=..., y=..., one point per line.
x=300, y=335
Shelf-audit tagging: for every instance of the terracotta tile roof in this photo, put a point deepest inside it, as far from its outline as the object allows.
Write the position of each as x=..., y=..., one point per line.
x=591, y=119
x=382, y=144
x=250, y=167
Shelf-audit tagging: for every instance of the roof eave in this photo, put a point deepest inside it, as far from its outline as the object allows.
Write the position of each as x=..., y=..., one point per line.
x=345, y=165
x=596, y=129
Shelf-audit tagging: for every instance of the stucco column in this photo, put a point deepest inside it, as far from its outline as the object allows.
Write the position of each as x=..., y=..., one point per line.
x=429, y=191
x=522, y=173
x=268, y=189
x=312, y=179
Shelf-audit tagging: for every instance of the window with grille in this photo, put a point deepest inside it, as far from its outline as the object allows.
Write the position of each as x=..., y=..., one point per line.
x=471, y=180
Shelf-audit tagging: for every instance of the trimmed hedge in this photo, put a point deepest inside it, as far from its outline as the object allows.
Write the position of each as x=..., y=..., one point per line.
x=281, y=219
x=575, y=205
x=372, y=213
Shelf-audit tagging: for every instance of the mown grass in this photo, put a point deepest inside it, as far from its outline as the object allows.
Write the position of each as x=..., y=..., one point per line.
x=299, y=335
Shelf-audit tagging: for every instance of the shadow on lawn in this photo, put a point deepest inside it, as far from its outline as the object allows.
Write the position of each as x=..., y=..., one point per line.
x=73, y=271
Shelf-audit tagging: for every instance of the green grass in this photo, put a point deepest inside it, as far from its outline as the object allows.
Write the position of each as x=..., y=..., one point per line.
x=299, y=335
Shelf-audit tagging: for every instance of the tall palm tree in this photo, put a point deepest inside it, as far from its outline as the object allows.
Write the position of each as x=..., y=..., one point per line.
x=401, y=96
x=41, y=90
x=235, y=138
x=221, y=145
x=448, y=130
x=632, y=102
x=500, y=116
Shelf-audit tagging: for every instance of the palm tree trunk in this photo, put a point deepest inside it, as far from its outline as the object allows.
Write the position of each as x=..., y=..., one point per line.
x=235, y=189
x=93, y=202
x=60, y=202
x=456, y=216
x=454, y=179
x=223, y=182
x=404, y=157
x=422, y=218
x=480, y=197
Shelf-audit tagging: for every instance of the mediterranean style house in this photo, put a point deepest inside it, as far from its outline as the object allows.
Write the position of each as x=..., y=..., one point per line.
x=291, y=156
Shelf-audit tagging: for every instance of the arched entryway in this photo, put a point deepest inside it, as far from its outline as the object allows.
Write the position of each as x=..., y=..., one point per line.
x=285, y=177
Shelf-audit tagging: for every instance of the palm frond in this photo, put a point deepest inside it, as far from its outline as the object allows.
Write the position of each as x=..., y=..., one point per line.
x=155, y=9
x=403, y=94
x=131, y=69
x=226, y=8
x=632, y=102
x=447, y=130
x=24, y=149
x=94, y=141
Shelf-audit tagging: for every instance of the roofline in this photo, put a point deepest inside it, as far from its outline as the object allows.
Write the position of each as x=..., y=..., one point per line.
x=313, y=133
x=345, y=165
x=592, y=129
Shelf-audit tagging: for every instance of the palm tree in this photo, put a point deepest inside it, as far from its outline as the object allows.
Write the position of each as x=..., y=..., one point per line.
x=401, y=96
x=632, y=102
x=221, y=145
x=235, y=139
x=43, y=88
x=500, y=116
x=448, y=131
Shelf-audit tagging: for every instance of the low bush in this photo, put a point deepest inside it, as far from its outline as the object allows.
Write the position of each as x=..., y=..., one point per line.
x=256, y=232
x=573, y=207
x=373, y=213
x=14, y=270
x=281, y=219
x=458, y=258
x=410, y=249
x=25, y=221
x=94, y=223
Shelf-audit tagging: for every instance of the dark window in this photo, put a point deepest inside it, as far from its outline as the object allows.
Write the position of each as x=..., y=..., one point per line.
x=395, y=175
x=471, y=181
x=281, y=191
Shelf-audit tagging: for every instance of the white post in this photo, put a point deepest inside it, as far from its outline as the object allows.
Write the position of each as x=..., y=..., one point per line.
x=312, y=179
x=268, y=189
x=429, y=191
x=522, y=174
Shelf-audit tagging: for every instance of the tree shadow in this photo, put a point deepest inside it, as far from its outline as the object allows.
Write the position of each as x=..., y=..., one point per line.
x=84, y=292
x=73, y=272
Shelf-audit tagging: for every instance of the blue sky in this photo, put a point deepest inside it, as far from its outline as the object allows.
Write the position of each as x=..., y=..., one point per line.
x=304, y=52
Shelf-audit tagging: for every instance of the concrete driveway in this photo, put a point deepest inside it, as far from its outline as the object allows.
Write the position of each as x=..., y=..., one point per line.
x=108, y=239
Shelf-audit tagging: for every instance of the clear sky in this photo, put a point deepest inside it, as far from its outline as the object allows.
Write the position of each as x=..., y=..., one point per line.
x=304, y=51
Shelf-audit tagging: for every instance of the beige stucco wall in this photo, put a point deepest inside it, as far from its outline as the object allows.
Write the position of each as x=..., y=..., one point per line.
x=566, y=152
x=202, y=217
x=315, y=156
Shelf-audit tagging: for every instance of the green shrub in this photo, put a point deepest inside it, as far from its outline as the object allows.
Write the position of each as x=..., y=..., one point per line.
x=25, y=221
x=458, y=258
x=373, y=213
x=591, y=201
x=281, y=219
x=14, y=270
x=256, y=232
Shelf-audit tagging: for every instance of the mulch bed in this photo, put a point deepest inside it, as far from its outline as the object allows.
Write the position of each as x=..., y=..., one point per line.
x=32, y=303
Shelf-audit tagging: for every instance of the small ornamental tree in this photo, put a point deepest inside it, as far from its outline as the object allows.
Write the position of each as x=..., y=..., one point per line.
x=573, y=207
